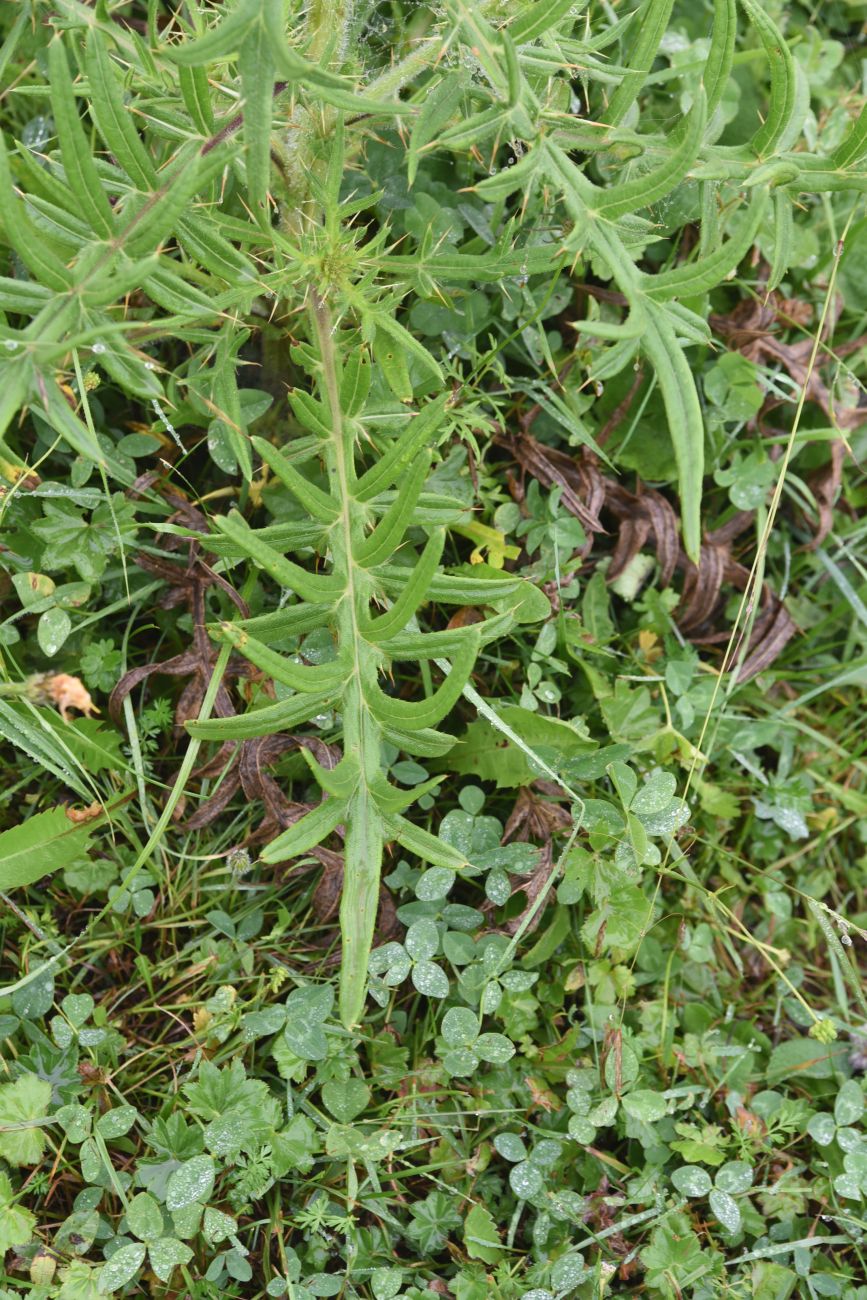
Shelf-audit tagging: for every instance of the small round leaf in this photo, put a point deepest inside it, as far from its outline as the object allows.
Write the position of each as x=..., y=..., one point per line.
x=53, y=628
x=121, y=1268
x=849, y=1106
x=144, y=1217
x=726, y=1210
x=385, y=1283
x=734, y=1176
x=822, y=1129
x=430, y=979
x=193, y=1182
x=460, y=1027
x=496, y=1049
x=510, y=1147
x=526, y=1180
x=581, y=1130
x=115, y=1123
x=422, y=939
x=460, y=1062
x=690, y=1180
x=166, y=1255
x=434, y=884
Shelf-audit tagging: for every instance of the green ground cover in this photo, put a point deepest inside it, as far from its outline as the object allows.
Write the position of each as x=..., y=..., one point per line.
x=433, y=643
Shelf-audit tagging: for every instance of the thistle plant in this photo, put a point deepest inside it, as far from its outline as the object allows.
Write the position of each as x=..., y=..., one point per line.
x=202, y=191
x=360, y=523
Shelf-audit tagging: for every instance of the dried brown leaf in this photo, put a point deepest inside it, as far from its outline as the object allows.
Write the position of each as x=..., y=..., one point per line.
x=646, y=518
x=583, y=493
x=532, y=816
x=701, y=588
x=531, y=886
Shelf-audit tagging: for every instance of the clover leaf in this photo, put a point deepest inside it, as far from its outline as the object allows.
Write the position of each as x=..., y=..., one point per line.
x=307, y=1009
x=393, y=962
x=732, y=1179
x=466, y=1046
x=823, y=1127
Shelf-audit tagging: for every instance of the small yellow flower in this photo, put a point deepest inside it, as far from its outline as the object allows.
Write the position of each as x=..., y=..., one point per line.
x=823, y=1031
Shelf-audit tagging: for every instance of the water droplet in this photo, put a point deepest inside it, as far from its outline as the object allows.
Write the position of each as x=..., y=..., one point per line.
x=10, y=345
x=37, y=132
x=167, y=422
x=98, y=349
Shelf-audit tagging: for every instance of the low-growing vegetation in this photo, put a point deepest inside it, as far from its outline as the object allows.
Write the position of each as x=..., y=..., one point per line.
x=434, y=638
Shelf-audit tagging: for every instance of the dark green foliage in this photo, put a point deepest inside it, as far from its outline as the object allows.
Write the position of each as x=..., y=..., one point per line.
x=403, y=411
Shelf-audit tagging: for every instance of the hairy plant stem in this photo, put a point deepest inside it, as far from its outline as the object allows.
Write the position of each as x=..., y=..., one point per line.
x=329, y=23
x=361, y=732
x=328, y=26
x=401, y=73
